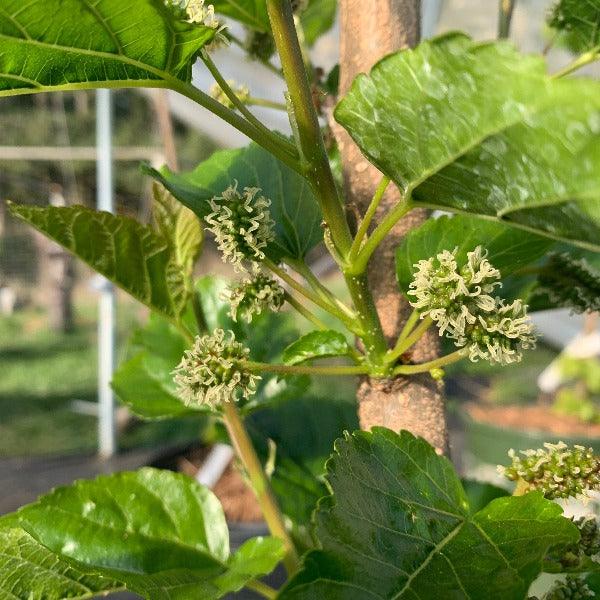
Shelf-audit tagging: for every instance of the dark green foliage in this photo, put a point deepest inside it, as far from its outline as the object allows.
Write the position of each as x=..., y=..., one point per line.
x=578, y=22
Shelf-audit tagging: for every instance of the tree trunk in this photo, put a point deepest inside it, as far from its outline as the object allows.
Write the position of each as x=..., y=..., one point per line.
x=368, y=32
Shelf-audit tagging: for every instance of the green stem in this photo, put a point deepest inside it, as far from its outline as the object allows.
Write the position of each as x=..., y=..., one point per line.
x=307, y=314
x=312, y=296
x=432, y=364
x=252, y=101
x=307, y=369
x=359, y=264
x=410, y=340
x=364, y=226
x=286, y=153
x=260, y=484
x=317, y=167
x=214, y=71
x=317, y=171
x=412, y=320
x=327, y=295
x=585, y=59
x=262, y=588
x=505, y=13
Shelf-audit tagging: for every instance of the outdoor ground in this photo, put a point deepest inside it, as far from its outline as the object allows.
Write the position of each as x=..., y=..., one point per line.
x=42, y=373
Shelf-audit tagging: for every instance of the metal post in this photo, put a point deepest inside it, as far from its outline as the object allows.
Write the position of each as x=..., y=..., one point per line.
x=106, y=305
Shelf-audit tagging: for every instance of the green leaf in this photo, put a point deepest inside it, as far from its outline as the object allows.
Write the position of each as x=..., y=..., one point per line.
x=180, y=226
x=578, y=23
x=77, y=44
x=250, y=12
x=303, y=429
x=146, y=392
x=293, y=206
x=160, y=533
x=316, y=344
x=480, y=494
x=318, y=18
x=478, y=128
x=509, y=249
x=567, y=282
x=28, y=571
x=129, y=254
x=398, y=525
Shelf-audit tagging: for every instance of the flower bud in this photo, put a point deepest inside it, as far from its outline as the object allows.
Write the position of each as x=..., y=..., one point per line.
x=242, y=93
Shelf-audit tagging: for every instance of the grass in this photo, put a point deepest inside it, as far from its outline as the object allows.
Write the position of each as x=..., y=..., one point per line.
x=42, y=372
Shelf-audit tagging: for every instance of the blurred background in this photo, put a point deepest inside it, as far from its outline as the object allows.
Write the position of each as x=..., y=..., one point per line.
x=49, y=302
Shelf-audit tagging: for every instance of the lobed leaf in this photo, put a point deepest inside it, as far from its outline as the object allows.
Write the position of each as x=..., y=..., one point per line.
x=398, y=525
x=160, y=533
x=78, y=44
x=509, y=249
x=29, y=571
x=478, y=128
x=316, y=344
x=293, y=206
x=131, y=255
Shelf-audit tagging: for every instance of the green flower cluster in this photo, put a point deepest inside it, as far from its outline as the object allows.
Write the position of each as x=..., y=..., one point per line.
x=241, y=224
x=195, y=11
x=572, y=588
x=213, y=371
x=255, y=294
x=588, y=544
x=241, y=91
x=459, y=300
x=557, y=470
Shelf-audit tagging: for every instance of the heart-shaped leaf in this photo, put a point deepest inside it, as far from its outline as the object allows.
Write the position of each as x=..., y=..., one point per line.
x=131, y=255
x=479, y=128
x=398, y=525
x=509, y=249
x=28, y=571
x=160, y=533
x=316, y=344
x=293, y=206
x=77, y=44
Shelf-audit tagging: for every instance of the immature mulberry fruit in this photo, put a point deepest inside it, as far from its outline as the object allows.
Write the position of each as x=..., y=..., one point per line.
x=241, y=91
x=253, y=295
x=459, y=301
x=572, y=588
x=242, y=225
x=556, y=470
x=213, y=371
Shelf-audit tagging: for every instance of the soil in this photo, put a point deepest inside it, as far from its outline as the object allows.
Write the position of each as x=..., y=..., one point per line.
x=537, y=417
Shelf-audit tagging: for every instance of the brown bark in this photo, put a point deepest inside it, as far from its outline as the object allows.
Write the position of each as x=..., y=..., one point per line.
x=368, y=32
